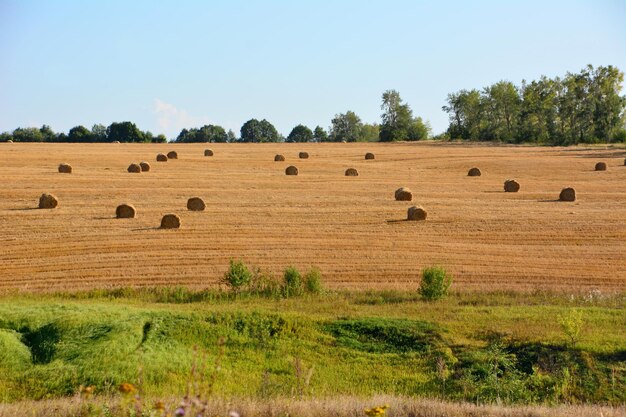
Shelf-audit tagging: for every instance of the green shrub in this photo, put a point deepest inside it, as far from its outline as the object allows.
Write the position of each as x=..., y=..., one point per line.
x=237, y=276
x=292, y=284
x=572, y=324
x=435, y=283
x=313, y=281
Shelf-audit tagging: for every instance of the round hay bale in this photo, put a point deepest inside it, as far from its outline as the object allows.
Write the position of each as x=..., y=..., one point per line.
x=145, y=167
x=172, y=155
x=416, y=213
x=370, y=155
x=625, y=162
x=195, y=204
x=473, y=172
x=170, y=221
x=601, y=166
x=351, y=172
x=48, y=201
x=279, y=158
x=161, y=158
x=511, y=186
x=403, y=194
x=125, y=211
x=208, y=152
x=291, y=170
x=65, y=168
x=344, y=141
x=11, y=141
x=567, y=194
x=134, y=168
x=303, y=155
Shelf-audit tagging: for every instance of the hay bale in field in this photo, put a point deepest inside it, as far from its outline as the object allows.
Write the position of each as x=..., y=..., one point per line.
x=279, y=158
x=303, y=155
x=11, y=141
x=125, y=211
x=351, y=172
x=291, y=170
x=474, y=172
x=344, y=141
x=511, y=186
x=403, y=194
x=567, y=194
x=116, y=141
x=370, y=155
x=195, y=204
x=161, y=158
x=170, y=221
x=48, y=201
x=601, y=166
x=208, y=152
x=134, y=168
x=172, y=155
x=145, y=167
x=65, y=168
x=625, y=162
x=416, y=213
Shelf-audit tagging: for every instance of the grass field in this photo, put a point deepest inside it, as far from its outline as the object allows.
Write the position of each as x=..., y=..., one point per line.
x=349, y=227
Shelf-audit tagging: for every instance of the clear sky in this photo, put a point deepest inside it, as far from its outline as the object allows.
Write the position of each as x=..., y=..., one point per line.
x=166, y=65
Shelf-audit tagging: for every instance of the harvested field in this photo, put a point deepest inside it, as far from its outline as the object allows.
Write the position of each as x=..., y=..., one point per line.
x=351, y=228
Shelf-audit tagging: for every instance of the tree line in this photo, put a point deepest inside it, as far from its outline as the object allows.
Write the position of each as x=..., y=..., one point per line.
x=115, y=132
x=585, y=107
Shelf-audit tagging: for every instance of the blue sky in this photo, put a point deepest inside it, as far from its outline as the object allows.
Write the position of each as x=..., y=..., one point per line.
x=166, y=65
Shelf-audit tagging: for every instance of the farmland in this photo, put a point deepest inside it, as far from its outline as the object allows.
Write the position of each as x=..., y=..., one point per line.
x=349, y=227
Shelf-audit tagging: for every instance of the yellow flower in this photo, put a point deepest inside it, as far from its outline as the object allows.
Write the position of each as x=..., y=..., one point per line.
x=127, y=388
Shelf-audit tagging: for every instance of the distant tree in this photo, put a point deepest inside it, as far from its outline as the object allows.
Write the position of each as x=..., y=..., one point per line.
x=346, y=127
x=300, y=133
x=99, y=133
x=5, y=137
x=207, y=133
x=418, y=130
x=396, y=118
x=159, y=139
x=80, y=134
x=370, y=132
x=47, y=134
x=124, y=132
x=231, y=136
x=320, y=135
x=27, y=134
x=259, y=131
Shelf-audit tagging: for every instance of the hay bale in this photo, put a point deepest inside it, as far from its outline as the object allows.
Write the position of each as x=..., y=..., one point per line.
x=65, y=168
x=474, y=172
x=416, y=213
x=511, y=186
x=145, y=167
x=48, y=201
x=370, y=155
x=403, y=194
x=208, y=152
x=279, y=158
x=567, y=194
x=303, y=155
x=125, y=211
x=170, y=221
x=291, y=170
x=172, y=155
x=161, y=158
x=351, y=172
x=134, y=168
x=195, y=204
x=625, y=162
x=11, y=141
x=601, y=166
x=116, y=141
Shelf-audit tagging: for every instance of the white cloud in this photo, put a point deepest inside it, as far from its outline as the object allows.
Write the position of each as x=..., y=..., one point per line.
x=171, y=119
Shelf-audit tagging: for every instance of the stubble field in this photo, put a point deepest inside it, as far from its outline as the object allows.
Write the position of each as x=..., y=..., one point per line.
x=349, y=227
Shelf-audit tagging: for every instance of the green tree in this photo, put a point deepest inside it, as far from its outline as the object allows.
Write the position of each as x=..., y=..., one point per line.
x=27, y=134
x=124, y=132
x=300, y=133
x=396, y=118
x=230, y=136
x=370, y=132
x=99, y=133
x=320, y=135
x=259, y=131
x=346, y=126
x=80, y=134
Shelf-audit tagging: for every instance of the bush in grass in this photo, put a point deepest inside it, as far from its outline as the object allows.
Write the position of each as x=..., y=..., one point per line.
x=572, y=325
x=435, y=283
x=313, y=281
x=237, y=276
x=292, y=282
